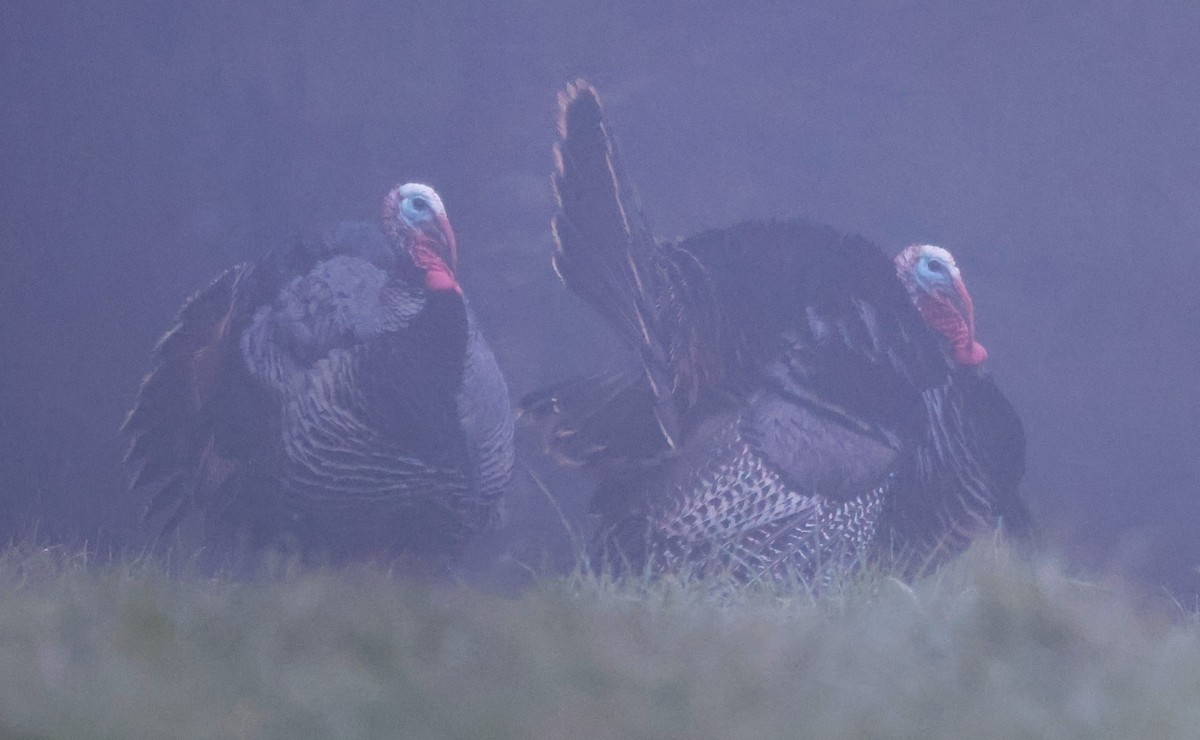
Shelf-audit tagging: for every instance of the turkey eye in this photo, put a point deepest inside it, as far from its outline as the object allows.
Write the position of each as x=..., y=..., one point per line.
x=420, y=204
x=936, y=266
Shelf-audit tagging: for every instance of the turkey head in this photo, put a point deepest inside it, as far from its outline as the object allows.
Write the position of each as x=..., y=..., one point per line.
x=936, y=288
x=415, y=221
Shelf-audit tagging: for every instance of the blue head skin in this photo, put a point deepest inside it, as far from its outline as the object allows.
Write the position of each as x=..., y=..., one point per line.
x=415, y=220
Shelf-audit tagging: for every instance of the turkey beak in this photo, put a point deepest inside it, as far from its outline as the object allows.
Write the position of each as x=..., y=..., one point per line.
x=968, y=351
x=447, y=244
x=958, y=297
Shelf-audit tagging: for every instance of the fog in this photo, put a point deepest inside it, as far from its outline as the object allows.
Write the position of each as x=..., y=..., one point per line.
x=144, y=147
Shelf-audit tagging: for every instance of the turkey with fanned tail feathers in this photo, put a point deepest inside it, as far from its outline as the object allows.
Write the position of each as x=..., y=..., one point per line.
x=802, y=403
x=335, y=396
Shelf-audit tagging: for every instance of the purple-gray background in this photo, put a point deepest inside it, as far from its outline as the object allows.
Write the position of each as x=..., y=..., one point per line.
x=146, y=146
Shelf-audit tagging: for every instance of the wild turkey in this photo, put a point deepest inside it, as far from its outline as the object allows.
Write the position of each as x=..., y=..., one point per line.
x=336, y=395
x=797, y=406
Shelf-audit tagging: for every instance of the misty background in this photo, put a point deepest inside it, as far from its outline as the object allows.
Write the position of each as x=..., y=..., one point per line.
x=144, y=147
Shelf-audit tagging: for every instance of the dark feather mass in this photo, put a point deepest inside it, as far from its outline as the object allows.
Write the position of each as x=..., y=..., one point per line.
x=331, y=396
x=794, y=408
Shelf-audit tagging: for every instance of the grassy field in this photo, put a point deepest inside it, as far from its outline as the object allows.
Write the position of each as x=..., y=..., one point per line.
x=988, y=647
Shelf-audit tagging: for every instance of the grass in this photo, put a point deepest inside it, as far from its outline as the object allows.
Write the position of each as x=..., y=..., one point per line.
x=988, y=647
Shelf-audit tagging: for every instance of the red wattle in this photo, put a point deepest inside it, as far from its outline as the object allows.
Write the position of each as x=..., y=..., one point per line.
x=441, y=280
x=438, y=276
x=944, y=318
x=970, y=354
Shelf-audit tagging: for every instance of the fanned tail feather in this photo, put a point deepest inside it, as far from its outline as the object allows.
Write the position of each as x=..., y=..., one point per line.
x=603, y=250
x=193, y=405
x=598, y=422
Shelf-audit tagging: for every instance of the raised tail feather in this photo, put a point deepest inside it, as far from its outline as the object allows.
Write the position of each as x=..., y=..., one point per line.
x=604, y=252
